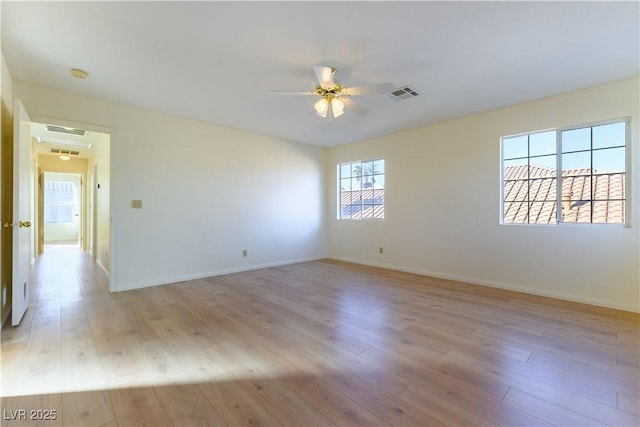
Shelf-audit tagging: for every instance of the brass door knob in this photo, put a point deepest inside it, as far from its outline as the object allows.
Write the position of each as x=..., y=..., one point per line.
x=25, y=224
x=6, y=225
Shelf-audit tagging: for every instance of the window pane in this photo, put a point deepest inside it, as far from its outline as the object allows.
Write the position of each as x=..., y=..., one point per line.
x=378, y=197
x=515, y=147
x=378, y=212
x=345, y=170
x=345, y=184
x=355, y=183
x=367, y=168
x=367, y=197
x=576, y=211
x=612, y=135
x=576, y=139
x=346, y=200
x=582, y=211
x=515, y=213
x=609, y=186
x=515, y=190
x=378, y=166
x=608, y=212
x=576, y=188
x=542, y=143
x=544, y=162
x=576, y=163
x=609, y=160
x=368, y=204
x=515, y=169
x=367, y=179
x=542, y=212
x=542, y=189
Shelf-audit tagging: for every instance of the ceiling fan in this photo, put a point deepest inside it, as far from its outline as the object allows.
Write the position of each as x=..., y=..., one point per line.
x=334, y=97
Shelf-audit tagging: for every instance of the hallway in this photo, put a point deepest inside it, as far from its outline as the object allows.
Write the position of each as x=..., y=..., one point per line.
x=38, y=355
x=63, y=280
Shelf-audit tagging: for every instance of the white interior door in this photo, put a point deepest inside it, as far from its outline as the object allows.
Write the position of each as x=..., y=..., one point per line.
x=21, y=212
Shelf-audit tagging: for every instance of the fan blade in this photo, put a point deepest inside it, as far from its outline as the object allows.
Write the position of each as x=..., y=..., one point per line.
x=287, y=92
x=324, y=76
x=354, y=107
x=376, y=88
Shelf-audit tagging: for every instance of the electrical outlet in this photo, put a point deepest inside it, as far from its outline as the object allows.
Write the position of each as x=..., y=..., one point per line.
x=244, y=252
x=381, y=250
x=136, y=204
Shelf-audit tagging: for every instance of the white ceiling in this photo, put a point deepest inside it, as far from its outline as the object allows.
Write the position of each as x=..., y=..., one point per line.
x=217, y=61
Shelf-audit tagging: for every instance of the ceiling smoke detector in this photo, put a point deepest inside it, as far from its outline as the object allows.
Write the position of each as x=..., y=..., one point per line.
x=79, y=74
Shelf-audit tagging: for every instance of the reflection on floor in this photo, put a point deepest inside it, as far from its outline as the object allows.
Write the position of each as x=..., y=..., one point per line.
x=318, y=343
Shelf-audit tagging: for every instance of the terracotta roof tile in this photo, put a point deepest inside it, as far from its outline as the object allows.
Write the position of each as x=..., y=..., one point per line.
x=578, y=186
x=365, y=204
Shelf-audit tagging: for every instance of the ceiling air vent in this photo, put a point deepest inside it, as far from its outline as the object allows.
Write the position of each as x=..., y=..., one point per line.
x=402, y=93
x=68, y=131
x=61, y=151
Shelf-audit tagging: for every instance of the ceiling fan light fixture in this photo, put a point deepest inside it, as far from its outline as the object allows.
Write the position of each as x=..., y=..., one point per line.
x=337, y=106
x=322, y=106
x=333, y=97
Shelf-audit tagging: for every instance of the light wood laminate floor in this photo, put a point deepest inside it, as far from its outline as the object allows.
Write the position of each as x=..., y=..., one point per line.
x=313, y=344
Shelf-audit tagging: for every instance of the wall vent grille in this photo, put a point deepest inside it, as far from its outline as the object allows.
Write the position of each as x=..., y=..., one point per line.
x=402, y=93
x=61, y=151
x=65, y=130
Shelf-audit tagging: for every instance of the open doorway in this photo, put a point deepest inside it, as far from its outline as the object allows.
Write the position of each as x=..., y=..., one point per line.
x=79, y=215
x=73, y=177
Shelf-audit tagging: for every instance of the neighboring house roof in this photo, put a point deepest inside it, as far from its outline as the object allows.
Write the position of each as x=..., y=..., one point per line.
x=368, y=204
x=608, y=190
x=578, y=186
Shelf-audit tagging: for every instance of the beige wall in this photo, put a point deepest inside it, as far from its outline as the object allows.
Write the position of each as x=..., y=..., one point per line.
x=101, y=163
x=207, y=192
x=442, y=206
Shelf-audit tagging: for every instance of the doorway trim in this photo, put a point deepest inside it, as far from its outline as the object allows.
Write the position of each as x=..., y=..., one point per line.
x=113, y=185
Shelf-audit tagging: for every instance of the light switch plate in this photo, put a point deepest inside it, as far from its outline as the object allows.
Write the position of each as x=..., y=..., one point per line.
x=136, y=204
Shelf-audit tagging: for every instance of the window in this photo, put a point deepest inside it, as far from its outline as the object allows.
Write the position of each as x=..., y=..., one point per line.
x=59, y=202
x=361, y=190
x=591, y=187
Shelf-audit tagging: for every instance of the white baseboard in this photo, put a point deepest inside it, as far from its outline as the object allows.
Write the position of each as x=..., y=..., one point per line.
x=204, y=275
x=102, y=267
x=634, y=308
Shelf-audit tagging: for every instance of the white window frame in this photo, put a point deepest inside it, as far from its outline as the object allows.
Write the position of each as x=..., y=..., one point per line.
x=339, y=215
x=559, y=178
